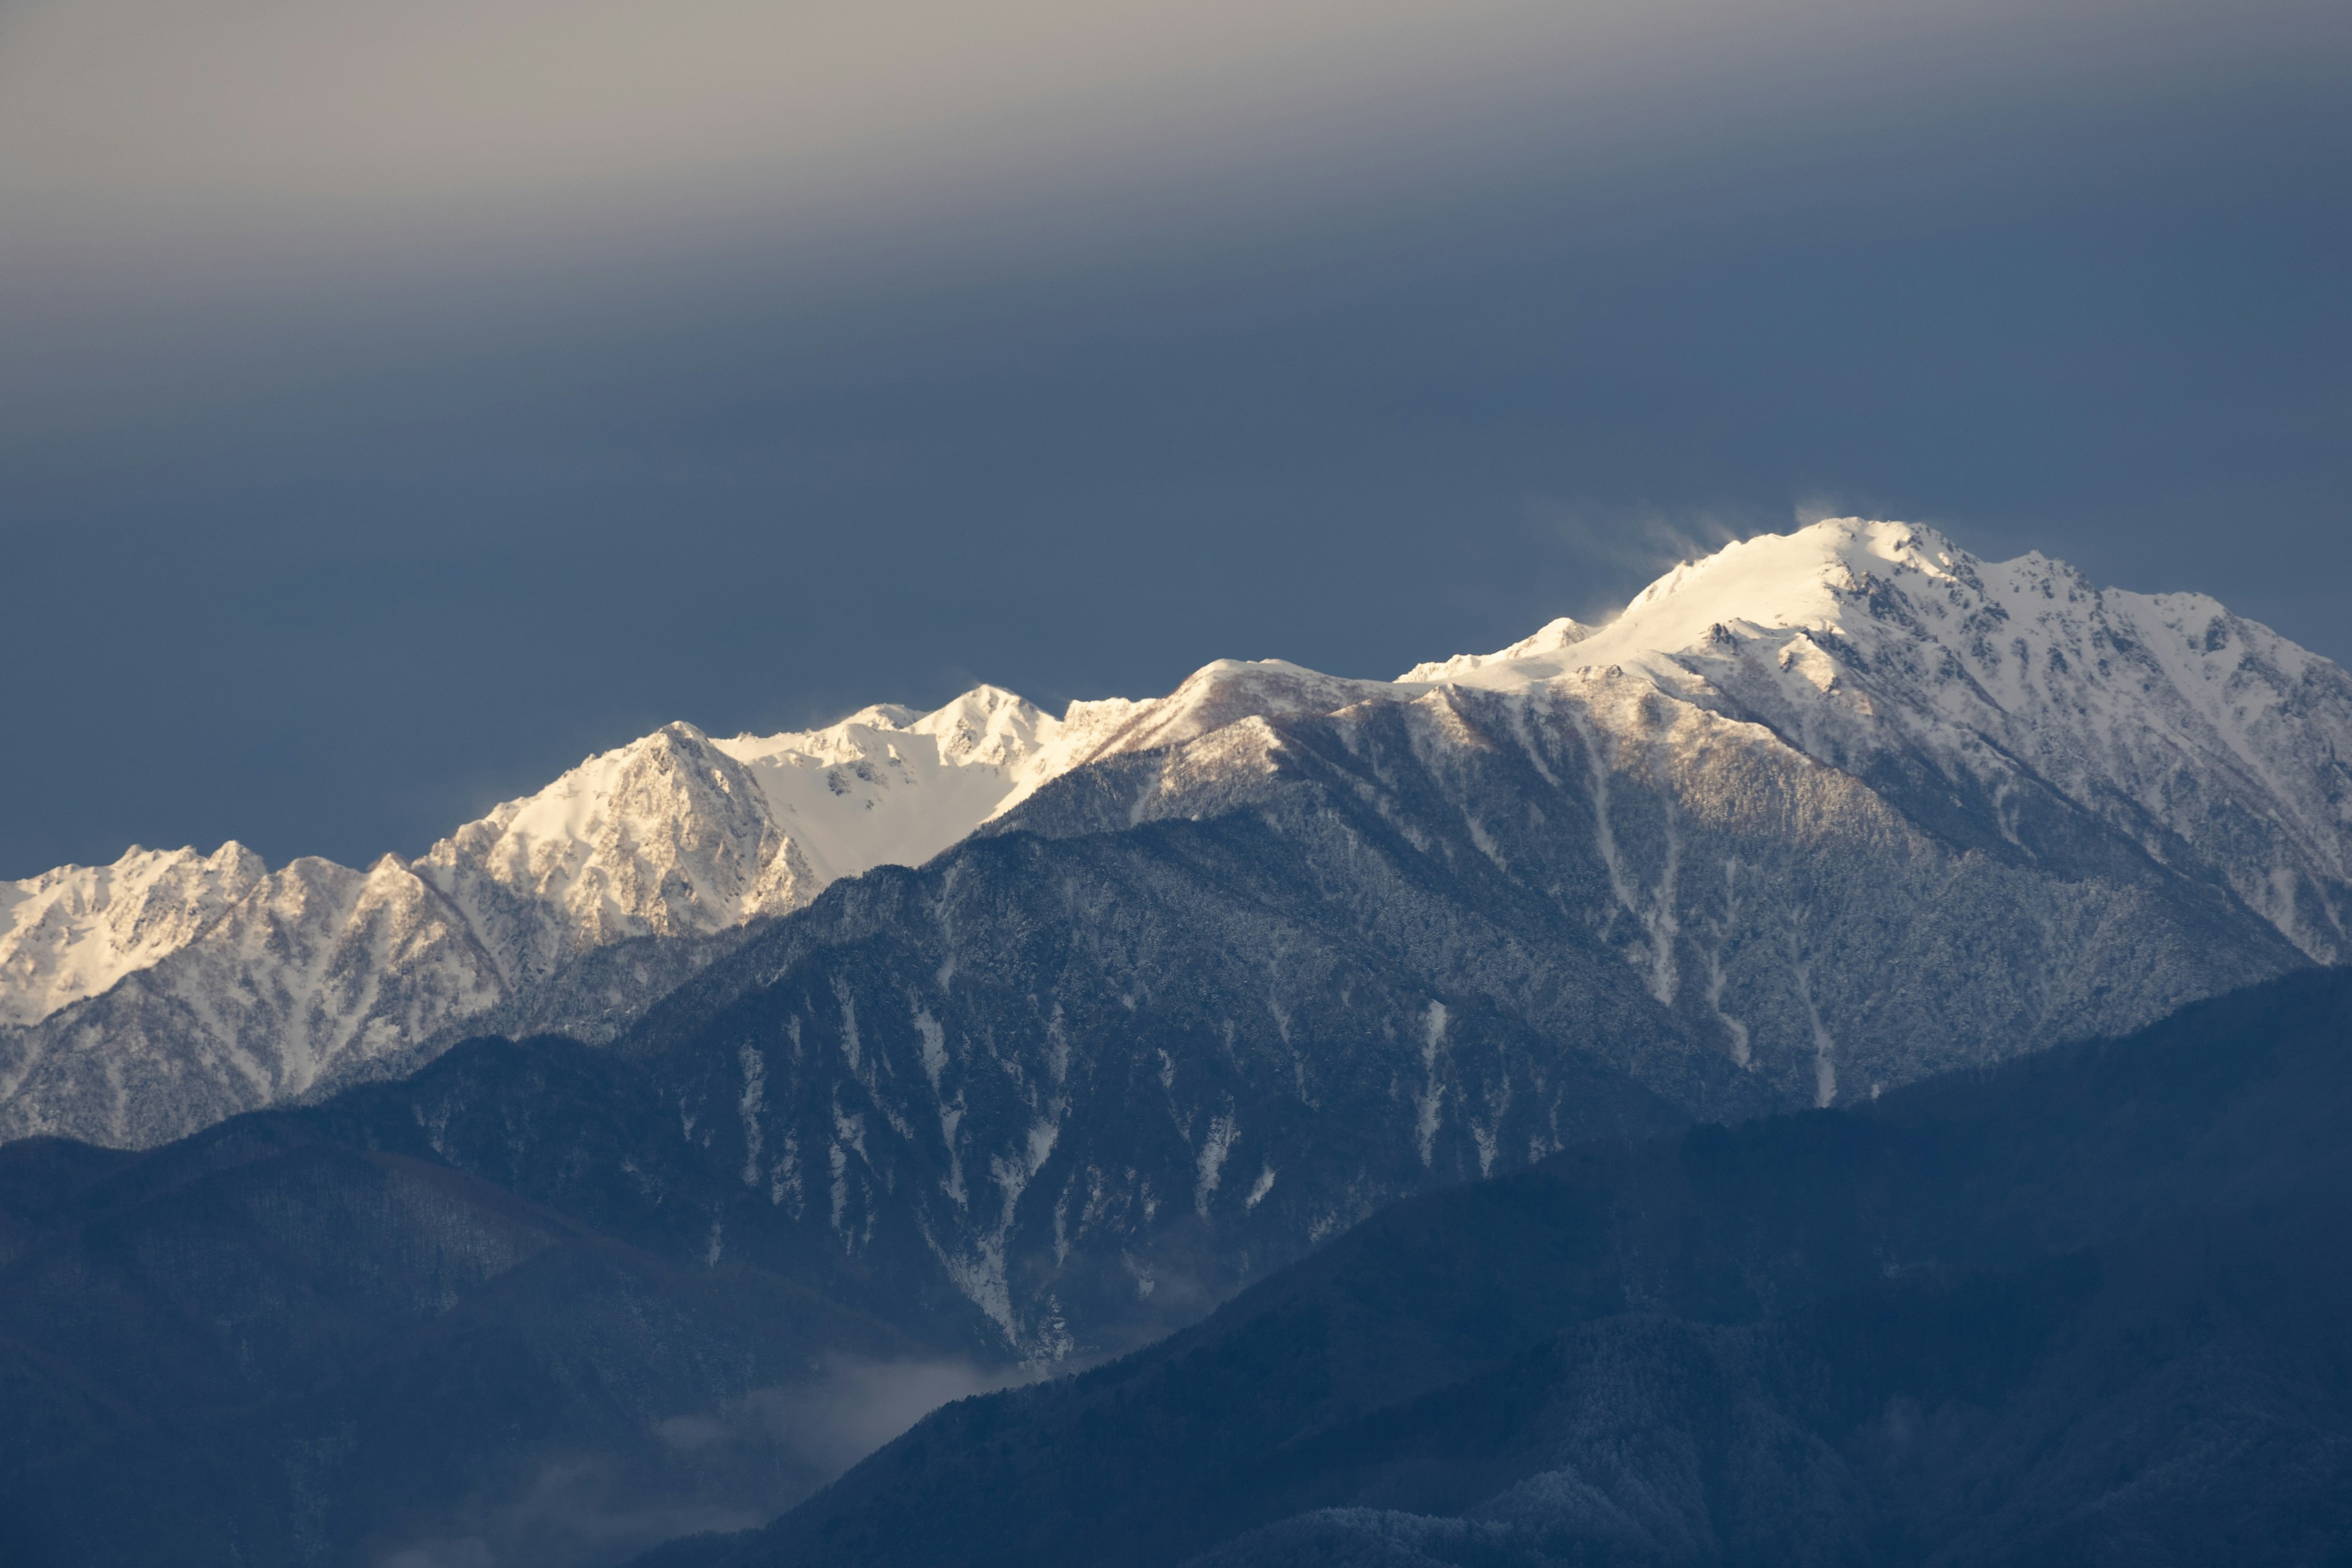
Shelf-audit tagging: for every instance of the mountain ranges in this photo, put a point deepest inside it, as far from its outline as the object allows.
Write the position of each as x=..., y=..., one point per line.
x=1869, y=684
x=930, y=1052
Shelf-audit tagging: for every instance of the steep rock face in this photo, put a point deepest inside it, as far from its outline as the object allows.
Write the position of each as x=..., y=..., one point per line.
x=1187, y=1010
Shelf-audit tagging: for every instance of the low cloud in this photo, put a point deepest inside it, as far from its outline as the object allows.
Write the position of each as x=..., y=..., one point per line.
x=854, y=1407
x=729, y=1467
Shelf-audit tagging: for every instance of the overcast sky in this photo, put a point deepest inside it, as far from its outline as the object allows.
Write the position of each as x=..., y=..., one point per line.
x=399, y=402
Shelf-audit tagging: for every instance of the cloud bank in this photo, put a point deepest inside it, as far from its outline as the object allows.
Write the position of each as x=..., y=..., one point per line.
x=269, y=134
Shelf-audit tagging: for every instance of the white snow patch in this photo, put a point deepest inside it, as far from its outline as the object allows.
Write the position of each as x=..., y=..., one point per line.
x=1429, y=1106
x=1223, y=1133
x=935, y=1045
x=1741, y=1050
x=755, y=1085
x=784, y=1178
x=1824, y=1047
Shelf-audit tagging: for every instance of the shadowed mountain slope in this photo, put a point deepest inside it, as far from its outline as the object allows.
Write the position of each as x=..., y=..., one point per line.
x=507, y=1303
x=2088, y=1306
x=1188, y=1011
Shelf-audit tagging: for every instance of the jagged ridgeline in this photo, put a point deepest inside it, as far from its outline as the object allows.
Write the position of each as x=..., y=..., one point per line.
x=1092, y=1018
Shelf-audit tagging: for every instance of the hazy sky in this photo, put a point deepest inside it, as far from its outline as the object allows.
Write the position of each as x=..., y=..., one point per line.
x=398, y=402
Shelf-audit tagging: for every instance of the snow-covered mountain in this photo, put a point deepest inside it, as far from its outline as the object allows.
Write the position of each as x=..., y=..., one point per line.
x=1815, y=818
x=2009, y=709
x=1884, y=650
x=147, y=998
x=682, y=835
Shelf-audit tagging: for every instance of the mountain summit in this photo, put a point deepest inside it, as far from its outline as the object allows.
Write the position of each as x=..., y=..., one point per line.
x=2215, y=743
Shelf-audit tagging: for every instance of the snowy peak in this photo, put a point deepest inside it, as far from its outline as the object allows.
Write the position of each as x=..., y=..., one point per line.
x=679, y=834
x=674, y=833
x=1816, y=579
x=72, y=932
x=667, y=835
x=1211, y=697
x=986, y=727
x=2212, y=740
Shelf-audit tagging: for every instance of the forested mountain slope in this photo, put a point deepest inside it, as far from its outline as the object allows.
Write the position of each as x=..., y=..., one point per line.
x=2087, y=1307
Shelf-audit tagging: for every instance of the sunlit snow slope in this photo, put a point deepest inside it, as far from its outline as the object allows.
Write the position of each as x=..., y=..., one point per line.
x=74, y=931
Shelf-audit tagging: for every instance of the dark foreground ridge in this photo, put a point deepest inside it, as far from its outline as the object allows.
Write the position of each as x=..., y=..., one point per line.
x=500, y=1311
x=2092, y=1306
x=523, y=1309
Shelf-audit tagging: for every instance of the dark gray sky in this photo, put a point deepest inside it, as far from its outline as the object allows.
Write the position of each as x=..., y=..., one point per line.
x=398, y=402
